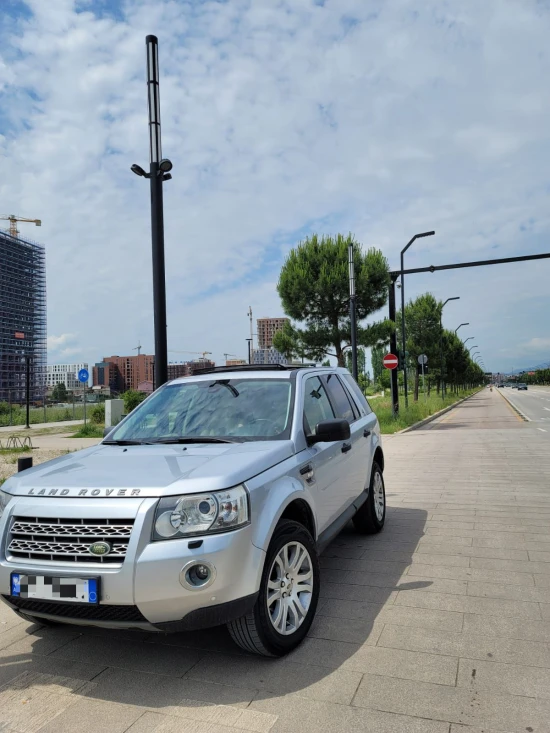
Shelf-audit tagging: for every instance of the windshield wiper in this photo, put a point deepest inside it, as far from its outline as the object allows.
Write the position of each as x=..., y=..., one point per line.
x=127, y=442
x=192, y=439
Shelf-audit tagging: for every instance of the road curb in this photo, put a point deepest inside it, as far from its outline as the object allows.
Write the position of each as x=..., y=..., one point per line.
x=431, y=418
x=514, y=408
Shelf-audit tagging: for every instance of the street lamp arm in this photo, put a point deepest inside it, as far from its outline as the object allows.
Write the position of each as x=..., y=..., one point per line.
x=462, y=324
x=416, y=236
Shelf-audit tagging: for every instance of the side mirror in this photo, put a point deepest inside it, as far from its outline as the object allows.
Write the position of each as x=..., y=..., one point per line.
x=329, y=431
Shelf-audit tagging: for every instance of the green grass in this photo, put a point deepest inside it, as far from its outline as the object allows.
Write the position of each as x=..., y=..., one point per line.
x=89, y=431
x=37, y=415
x=9, y=451
x=416, y=411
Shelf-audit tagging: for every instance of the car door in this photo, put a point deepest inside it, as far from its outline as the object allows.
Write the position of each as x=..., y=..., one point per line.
x=325, y=459
x=356, y=468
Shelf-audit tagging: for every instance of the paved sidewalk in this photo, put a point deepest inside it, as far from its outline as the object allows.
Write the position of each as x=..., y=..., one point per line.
x=440, y=624
x=36, y=426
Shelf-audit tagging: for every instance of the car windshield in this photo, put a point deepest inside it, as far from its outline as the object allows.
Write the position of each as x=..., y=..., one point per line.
x=234, y=409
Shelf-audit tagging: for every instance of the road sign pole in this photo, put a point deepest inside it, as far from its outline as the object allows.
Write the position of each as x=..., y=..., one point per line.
x=424, y=383
x=352, y=313
x=393, y=348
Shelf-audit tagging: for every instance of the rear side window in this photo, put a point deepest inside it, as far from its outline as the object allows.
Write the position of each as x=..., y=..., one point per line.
x=317, y=405
x=339, y=398
x=358, y=396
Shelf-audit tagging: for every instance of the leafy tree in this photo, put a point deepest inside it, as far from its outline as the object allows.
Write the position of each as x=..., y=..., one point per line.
x=132, y=399
x=314, y=290
x=59, y=393
x=4, y=408
x=377, y=355
x=423, y=330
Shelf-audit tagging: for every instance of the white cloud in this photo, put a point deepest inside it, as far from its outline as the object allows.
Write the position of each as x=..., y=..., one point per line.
x=56, y=342
x=279, y=119
x=538, y=344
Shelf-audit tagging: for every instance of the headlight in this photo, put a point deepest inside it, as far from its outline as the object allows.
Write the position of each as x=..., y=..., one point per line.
x=4, y=501
x=192, y=514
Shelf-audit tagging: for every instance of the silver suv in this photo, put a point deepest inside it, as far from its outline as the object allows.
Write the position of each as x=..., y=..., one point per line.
x=208, y=504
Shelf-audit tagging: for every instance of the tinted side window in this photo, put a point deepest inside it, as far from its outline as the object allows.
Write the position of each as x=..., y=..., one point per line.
x=358, y=396
x=339, y=398
x=317, y=406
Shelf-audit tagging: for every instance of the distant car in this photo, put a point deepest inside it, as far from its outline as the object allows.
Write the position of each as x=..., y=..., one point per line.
x=522, y=386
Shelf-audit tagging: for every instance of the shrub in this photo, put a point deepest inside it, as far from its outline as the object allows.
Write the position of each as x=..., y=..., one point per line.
x=97, y=415
x=132, y=399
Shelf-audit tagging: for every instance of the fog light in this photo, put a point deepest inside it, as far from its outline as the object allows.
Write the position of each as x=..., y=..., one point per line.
x=196, y=575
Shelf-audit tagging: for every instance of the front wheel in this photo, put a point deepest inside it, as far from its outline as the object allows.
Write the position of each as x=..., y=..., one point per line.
x=289, y=593
x=371, y=516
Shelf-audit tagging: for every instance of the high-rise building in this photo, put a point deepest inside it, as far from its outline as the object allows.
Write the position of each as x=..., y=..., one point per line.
x=267, y=327
x=22, y=318
x=65, y=373
x=122, y=373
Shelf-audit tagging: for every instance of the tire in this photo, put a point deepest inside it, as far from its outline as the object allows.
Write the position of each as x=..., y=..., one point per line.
x=257, y=631
x=371, y=516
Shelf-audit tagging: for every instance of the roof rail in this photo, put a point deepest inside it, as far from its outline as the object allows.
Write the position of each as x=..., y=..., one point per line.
x=252, y=368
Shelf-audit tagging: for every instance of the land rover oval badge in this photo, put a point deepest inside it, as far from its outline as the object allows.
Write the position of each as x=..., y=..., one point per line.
x=100, y=548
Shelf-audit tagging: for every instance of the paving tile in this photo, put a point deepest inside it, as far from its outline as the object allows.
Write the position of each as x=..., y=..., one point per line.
x=513, y=565
x=468, y=604
x=406, y=664
x=491, y=576
x=470, y=645
x=93, y=716
x=366, y=593
x=33, y=699
x=158, y=723
x=391, y=614
x=513, y=592
x=545, y=611
x=474, y=551
x=281, y=676
x=433, y=585
x=43, y=640
x=453, y=704
x=296, y=714
x=513, y=679
x=380, y=580
x=13, y=664
x=512, y=628
x=356, y=631
x=427, y=558
x=173, y=661
x=153, y=691
x=537, y=555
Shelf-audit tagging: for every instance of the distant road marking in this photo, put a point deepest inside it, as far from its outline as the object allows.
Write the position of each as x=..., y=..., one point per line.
x=546, y=408
x=542, y=430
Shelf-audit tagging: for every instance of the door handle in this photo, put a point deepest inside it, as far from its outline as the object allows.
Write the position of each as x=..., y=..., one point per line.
x=346, y=447
x=306, y=469
x=366, y=433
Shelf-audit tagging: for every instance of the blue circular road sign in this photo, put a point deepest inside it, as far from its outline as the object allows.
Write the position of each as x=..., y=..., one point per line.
x=83, y=375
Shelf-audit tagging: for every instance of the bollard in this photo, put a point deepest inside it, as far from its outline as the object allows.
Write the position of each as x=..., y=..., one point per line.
x=24, y=463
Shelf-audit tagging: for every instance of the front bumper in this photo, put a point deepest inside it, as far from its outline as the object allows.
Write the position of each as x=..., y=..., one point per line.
x=146, y=587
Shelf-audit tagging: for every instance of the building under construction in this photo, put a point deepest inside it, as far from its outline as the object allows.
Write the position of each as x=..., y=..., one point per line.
x=22, y=318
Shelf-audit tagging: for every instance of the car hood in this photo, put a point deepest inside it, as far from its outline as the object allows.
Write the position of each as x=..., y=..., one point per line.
x=149, y=470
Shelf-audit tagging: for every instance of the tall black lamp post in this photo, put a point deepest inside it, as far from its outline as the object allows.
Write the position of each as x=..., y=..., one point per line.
x=249, y=341
x=456, y=297
x=403, y=334
x=26, y=360
x=462, y=324
x=352, y=312
x=159, y=171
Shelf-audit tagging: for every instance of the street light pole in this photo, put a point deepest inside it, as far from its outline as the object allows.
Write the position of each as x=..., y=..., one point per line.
x=403, y=333
x=468, y=339
x=28, y=388
x=475, y=346
x=159, y=171
x=249, y=350
x=456, y=297
x=352, y=312
x=462, y=324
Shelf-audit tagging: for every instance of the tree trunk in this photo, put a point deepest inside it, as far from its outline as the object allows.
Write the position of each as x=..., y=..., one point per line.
x=339, y=354
x=416, y=378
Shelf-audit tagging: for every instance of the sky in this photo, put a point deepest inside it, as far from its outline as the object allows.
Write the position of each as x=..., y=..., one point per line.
x=282, y=118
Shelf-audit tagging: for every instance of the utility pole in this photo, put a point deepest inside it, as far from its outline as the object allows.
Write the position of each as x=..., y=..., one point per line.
x=249, y=314
x=352, y=312
x=249, y=350
x=28, y=388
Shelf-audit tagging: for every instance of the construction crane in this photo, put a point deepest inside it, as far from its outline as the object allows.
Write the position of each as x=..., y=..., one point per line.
x=13, y=222
x=203, y=354
x=137, y=348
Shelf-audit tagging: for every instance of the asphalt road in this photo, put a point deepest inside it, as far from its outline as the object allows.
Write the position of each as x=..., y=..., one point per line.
x=533, y=403
x=439, y=624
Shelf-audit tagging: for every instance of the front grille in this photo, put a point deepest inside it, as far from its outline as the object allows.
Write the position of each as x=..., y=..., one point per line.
x=84, y=611
x=68, y=540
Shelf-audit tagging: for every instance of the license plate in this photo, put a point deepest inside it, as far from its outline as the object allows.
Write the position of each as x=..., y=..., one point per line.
x=52, y=588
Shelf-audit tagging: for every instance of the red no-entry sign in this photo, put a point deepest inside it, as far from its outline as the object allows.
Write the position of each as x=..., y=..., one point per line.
x=390, y=361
